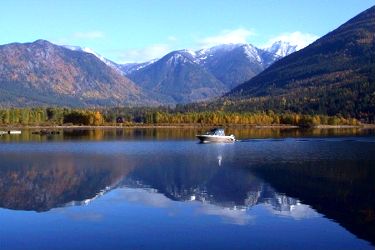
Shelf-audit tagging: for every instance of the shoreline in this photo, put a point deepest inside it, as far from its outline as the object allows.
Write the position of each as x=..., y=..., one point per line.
x=175, y=126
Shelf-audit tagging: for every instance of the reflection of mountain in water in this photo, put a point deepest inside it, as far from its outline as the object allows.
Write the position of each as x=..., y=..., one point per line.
x=234, y=188
x=27, y=183
x=343, y=191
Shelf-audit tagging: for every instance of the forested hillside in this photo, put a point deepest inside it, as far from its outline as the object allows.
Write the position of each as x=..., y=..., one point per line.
x=334, y=75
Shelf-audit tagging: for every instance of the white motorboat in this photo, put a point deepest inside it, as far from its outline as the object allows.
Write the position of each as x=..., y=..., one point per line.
x=14, y=132
x=216, y=135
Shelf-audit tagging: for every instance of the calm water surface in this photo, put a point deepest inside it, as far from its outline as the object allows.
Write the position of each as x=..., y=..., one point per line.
x=160, y=189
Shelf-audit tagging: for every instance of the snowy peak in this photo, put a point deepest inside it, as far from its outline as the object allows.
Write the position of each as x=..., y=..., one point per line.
x=234, y=51
x=208, y=56
x=173, y=58
x=179, y=57
x=217, y=49
x=282, y=48
x=129, y=68
x=90, y=51
x=252, y=52
x=220, y=52
x=203, y=54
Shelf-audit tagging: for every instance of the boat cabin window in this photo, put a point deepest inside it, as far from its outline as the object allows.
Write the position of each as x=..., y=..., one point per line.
x=216, y=131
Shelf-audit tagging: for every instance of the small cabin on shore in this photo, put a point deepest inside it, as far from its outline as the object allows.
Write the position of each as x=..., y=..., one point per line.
x=120, y=119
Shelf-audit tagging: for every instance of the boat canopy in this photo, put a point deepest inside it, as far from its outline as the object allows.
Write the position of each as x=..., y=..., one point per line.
x=216, y=131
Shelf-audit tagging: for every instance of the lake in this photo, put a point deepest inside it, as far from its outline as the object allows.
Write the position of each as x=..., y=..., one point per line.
x=160, y=189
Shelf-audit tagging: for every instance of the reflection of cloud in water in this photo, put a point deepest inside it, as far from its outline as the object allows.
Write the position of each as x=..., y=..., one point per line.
x=88, y=201
x=230, y=215
x=148, y=197
x=297, y=211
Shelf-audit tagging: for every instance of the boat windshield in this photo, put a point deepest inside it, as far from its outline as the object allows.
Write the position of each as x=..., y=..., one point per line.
x=216, y=131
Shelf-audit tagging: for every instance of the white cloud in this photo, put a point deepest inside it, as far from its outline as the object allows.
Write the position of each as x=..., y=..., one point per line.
x=146, y=197
x=144, y=54
x=229, y=215
x=153, y=51
x=150, y=197
x=88, y=35
x=297, y=212
x=239, y=35
x=295, y=38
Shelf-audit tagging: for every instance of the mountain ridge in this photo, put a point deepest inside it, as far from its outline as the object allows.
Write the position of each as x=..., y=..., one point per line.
x=42, y=73
x=189, y=76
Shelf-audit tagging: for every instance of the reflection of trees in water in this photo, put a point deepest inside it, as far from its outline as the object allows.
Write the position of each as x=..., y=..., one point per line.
x=189, y=133
x=341, y=190
x=99, y=134
x=27, y=183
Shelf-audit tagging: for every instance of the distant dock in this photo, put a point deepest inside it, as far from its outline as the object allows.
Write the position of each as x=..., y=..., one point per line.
x=11, y=132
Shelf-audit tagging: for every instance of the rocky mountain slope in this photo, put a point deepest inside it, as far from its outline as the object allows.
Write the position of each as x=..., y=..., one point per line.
x=41, y=73
x=179, y=77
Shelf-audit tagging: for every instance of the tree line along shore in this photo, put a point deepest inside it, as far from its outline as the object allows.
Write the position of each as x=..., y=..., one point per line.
x=162, y=116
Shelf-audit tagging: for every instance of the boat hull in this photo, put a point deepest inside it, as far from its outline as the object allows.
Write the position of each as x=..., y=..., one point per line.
x=214, y=138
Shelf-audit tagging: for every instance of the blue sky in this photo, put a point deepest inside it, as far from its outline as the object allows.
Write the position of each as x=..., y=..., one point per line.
x=138, y=30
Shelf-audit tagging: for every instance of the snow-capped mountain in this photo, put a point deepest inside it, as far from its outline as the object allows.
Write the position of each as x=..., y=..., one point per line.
x=128, y=68
x=235, y=63
x=282, y=48
x=205, y=57
x=227, y=64
x=177, y=78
